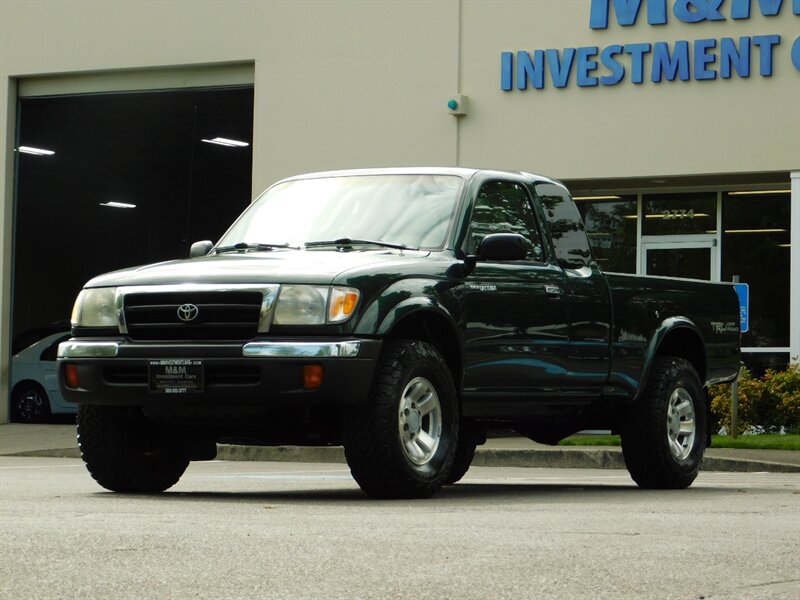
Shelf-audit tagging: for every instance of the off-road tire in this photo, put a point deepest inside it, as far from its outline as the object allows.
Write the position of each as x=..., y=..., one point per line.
x=468, y=439
x=126, y=453
x=373, y=442
x=646, y=431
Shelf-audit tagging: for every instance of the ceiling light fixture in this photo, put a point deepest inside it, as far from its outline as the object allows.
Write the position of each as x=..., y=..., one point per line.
x=35, y=151
x=755, y=231
x=677, y=217
x=118, y=205
x=221, y=141
x=597, y=198
x=759, y=192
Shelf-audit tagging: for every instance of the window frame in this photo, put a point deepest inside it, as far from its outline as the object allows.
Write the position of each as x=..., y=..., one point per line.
x=537, y=222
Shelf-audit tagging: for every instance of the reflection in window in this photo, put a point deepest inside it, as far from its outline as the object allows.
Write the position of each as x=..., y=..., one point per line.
x=611, y=227
x=679, y=214
x=758, y=362
x=503, y=207
x=755, y=246
x=566, y=227
x=414, y=210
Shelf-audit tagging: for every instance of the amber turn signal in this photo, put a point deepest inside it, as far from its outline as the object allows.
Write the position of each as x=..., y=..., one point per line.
x=343, y=302
x=312, y=376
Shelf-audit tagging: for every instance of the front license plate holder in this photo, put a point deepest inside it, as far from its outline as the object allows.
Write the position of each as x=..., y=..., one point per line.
x=176, y=376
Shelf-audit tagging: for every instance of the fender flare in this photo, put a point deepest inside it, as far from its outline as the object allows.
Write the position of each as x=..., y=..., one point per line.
x=662, y=332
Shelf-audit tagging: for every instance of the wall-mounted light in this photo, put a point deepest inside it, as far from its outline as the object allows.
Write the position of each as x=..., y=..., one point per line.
x=457, y=105
x=221, y=141
x=117, y=205
x=35, y=151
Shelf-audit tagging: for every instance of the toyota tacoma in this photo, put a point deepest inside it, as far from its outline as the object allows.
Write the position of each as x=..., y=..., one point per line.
x=400, y=313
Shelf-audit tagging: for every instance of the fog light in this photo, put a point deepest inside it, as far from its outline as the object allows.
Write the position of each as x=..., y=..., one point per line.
x=312, y=376
x=71, y=376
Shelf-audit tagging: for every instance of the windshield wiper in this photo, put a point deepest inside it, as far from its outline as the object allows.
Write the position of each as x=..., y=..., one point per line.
x=348, y=242
x=246, y=246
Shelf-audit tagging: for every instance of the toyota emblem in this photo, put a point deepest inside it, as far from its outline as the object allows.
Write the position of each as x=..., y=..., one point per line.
x=187, y=312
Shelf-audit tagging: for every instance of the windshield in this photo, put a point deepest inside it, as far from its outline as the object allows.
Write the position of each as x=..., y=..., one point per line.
x=406, y=210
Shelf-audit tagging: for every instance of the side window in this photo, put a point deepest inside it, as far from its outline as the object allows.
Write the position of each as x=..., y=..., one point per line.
x=504, y=207
x=566, y=227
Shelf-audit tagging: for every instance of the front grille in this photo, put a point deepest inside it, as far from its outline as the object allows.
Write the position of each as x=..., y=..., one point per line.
x=221, y=316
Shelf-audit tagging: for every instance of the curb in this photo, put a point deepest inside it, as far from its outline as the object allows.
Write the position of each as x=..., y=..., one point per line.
x=555, y=458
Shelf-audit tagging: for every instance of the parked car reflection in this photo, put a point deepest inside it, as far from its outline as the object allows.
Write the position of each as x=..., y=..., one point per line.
x=35, y=397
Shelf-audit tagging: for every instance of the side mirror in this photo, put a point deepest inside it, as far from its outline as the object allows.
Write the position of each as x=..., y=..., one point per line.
x=503, y=246
x=200, y=248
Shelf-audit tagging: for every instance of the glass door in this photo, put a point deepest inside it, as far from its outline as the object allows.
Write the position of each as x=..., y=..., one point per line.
x=693, y=257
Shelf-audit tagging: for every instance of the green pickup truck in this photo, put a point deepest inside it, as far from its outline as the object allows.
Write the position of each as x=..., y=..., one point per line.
x=400, y=313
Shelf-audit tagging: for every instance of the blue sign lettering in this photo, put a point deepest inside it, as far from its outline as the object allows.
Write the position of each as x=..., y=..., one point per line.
x=688, y=11
x=560, y=67
x=613, y=65
x=637, y=52
x=732, y=58
x=740, y=9
x=765, y=44
x=586, y=65
x=627, y=12
x=702, y=59
x=530, y=70
x=669, y=66
x=796, y=54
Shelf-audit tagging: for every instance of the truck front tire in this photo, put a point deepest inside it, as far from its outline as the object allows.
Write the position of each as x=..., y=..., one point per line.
x=126, y=453
x=664, y=435
x=402, y=443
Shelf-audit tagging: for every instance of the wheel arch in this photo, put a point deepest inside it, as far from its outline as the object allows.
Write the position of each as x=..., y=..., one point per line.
x=22, y=383
x=677, y=337
x=433, y=325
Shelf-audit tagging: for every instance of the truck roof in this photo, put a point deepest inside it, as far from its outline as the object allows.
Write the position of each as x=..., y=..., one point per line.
x=464, y=172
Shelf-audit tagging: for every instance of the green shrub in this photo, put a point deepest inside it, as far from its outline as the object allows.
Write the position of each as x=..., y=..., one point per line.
x=767, y=404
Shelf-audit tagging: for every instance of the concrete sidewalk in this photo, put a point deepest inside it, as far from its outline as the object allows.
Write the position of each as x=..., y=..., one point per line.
x=59, y=441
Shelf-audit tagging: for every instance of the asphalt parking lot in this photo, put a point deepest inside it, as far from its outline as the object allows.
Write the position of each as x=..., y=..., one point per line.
x=304, y=530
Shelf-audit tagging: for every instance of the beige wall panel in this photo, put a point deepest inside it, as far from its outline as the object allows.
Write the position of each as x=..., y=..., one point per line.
x=354, y=84
x=56, y=36
x=735, y=125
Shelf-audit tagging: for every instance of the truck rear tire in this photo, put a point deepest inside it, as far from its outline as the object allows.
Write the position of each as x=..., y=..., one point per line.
x=402, y=443
x=664, y=436
x=126, y=453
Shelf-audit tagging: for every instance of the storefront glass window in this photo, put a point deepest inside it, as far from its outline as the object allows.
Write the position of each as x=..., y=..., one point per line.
x=611, y=227
x=755, y=246
x=680, y=214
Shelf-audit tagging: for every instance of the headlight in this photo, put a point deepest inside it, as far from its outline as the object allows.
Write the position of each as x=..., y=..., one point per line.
x=301, y=305
x=312, y=305
x=95, y=308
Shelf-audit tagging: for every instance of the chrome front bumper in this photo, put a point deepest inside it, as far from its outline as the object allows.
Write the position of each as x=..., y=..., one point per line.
x=284, y=349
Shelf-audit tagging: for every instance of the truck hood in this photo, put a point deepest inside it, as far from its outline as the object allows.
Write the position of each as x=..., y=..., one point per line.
x=277, y=266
